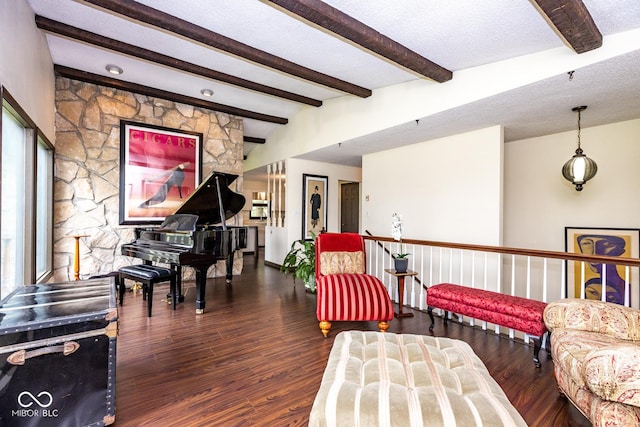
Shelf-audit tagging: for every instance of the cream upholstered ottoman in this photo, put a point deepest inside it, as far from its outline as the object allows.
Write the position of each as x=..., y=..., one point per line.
x=385, y=379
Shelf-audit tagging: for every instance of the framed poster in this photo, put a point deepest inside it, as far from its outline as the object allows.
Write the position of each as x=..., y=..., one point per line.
x=314, y=205
x=587, y=281
x=159, y=169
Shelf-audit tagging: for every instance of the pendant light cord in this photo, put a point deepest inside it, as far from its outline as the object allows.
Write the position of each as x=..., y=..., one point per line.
x=579, y=115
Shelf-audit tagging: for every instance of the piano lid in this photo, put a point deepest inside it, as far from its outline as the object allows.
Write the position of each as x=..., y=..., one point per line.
x=204, y=201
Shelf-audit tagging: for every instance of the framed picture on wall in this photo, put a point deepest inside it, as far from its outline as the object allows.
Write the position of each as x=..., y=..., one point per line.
x=314, y=205
x=159, y=169
x=588, y=280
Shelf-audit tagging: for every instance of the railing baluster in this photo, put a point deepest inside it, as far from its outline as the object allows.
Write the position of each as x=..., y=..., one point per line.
x=544, y=280
x=440, y=273
x=626, y=286
x=513, y=274
x=563, y=280
x=582, y=275
x=485, y=284
x=499, y=287
x=528, y=291
x=603, y=286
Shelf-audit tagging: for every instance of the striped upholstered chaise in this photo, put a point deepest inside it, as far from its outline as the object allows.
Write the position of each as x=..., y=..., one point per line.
x=345, y=292
x=403, y=380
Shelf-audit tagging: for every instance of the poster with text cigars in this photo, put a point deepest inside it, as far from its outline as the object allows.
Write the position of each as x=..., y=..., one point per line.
x=159, y=169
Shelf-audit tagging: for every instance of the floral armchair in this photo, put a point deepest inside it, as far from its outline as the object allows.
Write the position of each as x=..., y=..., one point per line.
x=345, y=292
x=596, y=353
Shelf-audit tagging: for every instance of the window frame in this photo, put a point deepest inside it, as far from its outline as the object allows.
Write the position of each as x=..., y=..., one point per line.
x=35, y=137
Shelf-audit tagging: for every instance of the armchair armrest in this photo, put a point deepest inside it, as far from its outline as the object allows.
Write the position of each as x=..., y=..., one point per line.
x=594, y=316
x=613, y=373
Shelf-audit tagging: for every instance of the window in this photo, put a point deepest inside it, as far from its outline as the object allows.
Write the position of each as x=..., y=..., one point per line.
x=26, y=200
x=44, y=209
x=14, y=142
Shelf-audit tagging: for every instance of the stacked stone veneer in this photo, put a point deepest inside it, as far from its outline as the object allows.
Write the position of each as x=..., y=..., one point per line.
x=87, y=169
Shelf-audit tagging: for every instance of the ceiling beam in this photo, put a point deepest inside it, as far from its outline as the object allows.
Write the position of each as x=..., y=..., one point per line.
x=75, y=33
x=344, y=25
x=84, y=76
x=573, y=22
x=254, y=140
x=166, y=22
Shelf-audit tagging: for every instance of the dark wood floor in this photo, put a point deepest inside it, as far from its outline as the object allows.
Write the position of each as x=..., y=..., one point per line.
x=256, y=358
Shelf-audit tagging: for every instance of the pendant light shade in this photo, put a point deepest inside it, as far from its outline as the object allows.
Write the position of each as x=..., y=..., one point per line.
x=579, y=169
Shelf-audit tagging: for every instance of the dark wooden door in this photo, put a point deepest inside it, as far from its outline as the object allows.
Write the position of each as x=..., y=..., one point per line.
x=350, y=207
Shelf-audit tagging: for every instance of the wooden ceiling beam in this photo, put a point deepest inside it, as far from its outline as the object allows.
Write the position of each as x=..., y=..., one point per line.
x=254, y=139
x=74, y=33
x=166, y=22
x=87, y=77
x=573, y=22
x=345, y=26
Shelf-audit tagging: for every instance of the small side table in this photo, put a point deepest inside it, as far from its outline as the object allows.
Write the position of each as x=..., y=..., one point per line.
x=401, y=277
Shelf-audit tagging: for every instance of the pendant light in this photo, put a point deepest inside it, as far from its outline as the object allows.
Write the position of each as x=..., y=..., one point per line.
x=579, y=169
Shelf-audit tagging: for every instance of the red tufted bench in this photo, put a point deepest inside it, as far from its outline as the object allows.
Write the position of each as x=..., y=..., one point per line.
x=521, y=314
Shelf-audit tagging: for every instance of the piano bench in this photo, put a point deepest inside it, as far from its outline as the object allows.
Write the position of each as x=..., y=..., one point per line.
x=148, y=275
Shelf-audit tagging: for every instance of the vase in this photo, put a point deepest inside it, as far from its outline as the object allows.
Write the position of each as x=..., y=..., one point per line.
x=310, y=285
x=401, y=264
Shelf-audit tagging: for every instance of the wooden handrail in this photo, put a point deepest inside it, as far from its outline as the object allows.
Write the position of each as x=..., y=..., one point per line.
x=593, y=259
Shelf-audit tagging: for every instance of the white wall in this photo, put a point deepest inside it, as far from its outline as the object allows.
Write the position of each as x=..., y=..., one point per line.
x=449, y=189
x=278, y=241
x=26, y=68
x=539, y=202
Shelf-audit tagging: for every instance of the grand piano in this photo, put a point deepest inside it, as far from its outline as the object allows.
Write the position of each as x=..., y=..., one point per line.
x=192, y=237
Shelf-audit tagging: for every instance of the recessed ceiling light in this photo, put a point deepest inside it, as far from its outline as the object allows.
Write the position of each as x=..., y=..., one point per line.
x=114, y=69
x=207, y=92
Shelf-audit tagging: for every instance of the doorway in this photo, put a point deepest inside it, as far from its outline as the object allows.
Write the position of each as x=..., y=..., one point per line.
x=350, y=207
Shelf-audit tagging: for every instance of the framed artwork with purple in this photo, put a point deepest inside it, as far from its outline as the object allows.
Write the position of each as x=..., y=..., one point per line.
x=585, y=280
x=159, y=169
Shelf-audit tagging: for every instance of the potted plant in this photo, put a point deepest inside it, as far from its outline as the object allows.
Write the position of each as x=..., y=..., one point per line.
x=300, y=261
x=400, y=259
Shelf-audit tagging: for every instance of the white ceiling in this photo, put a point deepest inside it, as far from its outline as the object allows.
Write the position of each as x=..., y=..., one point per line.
x=454, y=34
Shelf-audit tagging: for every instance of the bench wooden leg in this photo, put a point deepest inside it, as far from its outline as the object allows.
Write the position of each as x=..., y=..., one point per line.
x=178, y=286
x=121, y=289
x=536, y=350
x=149, y=298
x=430, y=312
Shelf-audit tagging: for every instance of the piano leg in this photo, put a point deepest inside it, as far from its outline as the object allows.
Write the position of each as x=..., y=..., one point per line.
x=201, y=288
x=229, y=263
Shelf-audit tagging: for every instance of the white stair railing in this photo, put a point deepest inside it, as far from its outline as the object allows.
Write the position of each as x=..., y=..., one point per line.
x=534, y=274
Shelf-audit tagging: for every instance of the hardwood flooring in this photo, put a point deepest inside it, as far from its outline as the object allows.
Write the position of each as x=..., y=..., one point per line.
x=256, y=358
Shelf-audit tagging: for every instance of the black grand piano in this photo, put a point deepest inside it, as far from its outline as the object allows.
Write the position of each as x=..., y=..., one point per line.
x=192, y=237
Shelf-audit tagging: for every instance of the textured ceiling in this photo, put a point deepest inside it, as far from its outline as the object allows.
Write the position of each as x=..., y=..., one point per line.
x=456, y=35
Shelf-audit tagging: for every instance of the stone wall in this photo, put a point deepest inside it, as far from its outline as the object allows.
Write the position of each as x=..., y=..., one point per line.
x=87, y=170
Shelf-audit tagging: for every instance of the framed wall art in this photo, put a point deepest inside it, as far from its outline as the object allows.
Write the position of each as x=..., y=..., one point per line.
x=618, y=242
x=159, y=169
x=314, y=205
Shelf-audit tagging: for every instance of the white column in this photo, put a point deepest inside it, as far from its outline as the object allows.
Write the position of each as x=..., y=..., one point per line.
x=280, y=173
x=268, y=195
x=274, y=219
